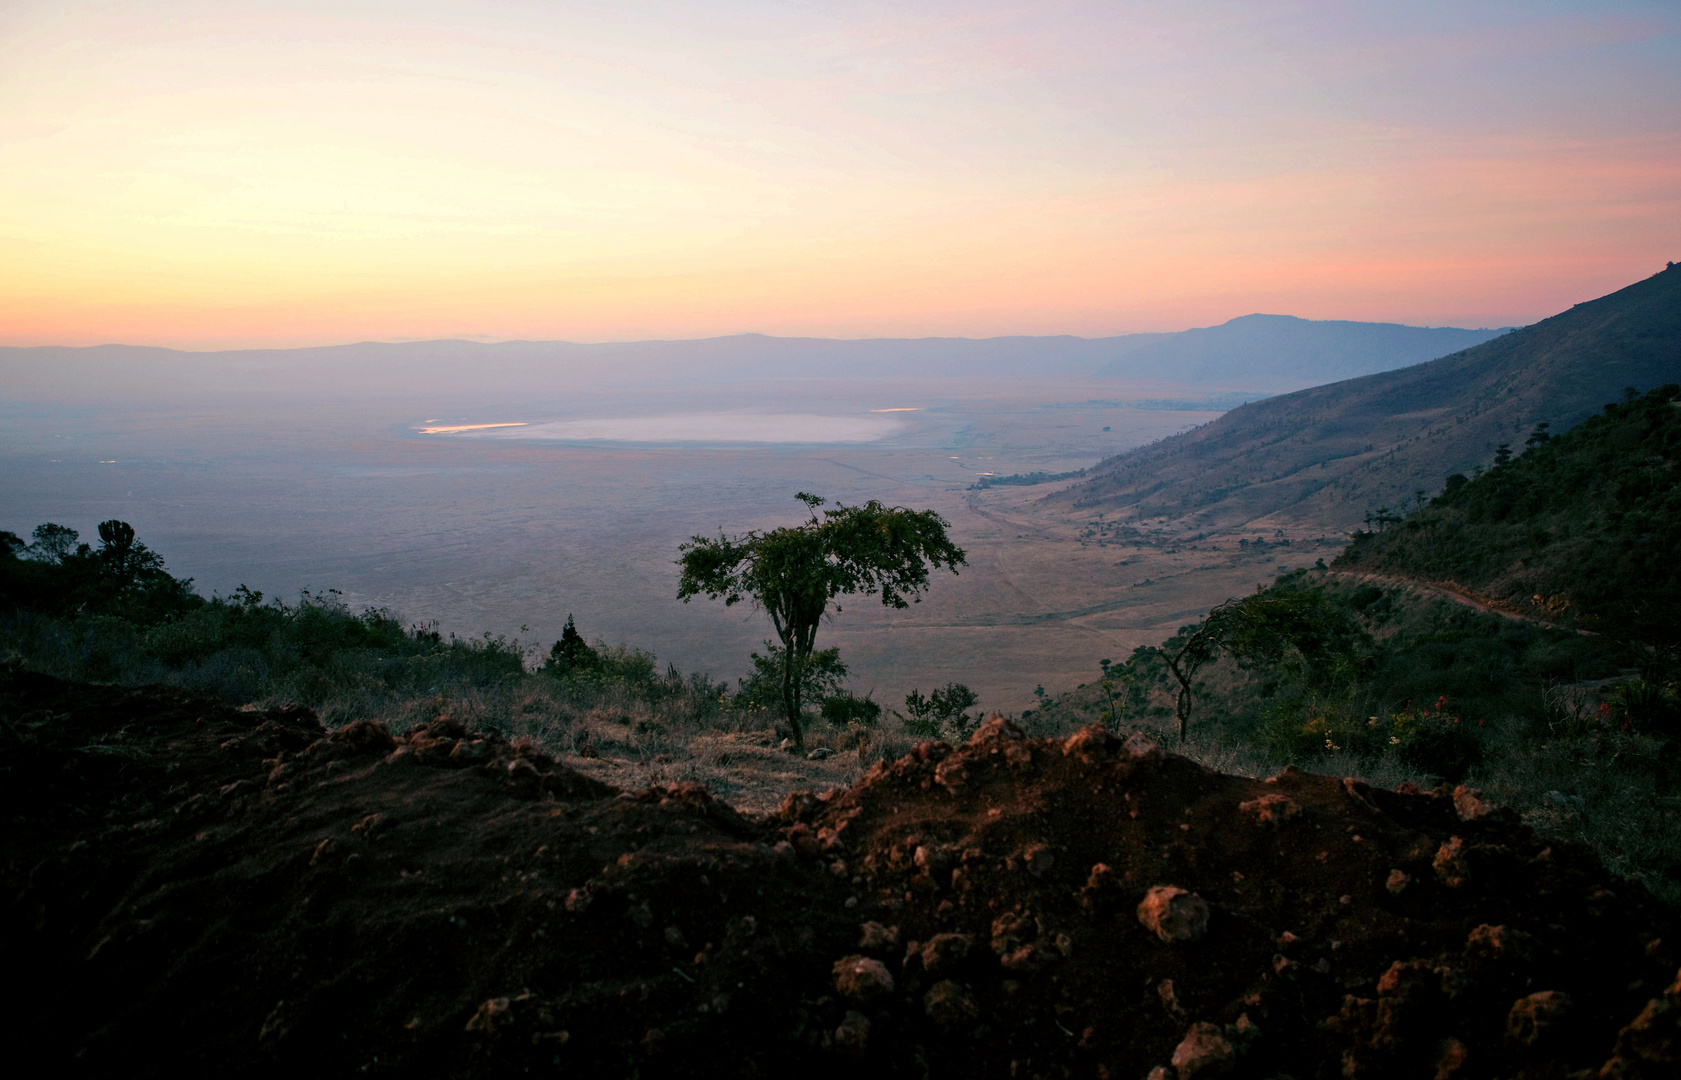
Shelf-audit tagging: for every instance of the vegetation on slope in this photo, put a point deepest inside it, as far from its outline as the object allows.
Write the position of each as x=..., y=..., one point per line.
x=1572, y=713
x=114, y=614
x=1582, y=529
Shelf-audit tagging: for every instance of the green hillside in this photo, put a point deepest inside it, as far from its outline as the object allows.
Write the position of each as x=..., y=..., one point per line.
x=1321, y=458
x=1581, y=529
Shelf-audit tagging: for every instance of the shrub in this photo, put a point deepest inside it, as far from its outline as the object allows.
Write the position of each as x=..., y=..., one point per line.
x=846, y=708
x=942, y=714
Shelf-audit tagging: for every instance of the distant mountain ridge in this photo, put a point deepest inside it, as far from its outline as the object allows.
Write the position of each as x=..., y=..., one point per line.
x=1256, y=353
x=1324, y=456
x=1282, y=351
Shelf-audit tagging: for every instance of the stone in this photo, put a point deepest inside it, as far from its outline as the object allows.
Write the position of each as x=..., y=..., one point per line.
x=1650, y=1046
x=1039, y=859
x=862, y=979
x=950, y=1005
x=1203, y=1052
x=950, y=774
x=1499, y=943
x=1009, y=929
x=1140, y=747
x=875, y=936
x=942, y=952
x=1532, y=1018
x=852, y=1037
x=1089, y=741
x=1471, y=804
x=1398, y=881
x=1452, y=868
x=1271, y=809
x=1451, y=1055
x=1174, y=914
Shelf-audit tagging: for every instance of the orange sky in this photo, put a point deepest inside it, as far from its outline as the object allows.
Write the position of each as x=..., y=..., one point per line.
x=210, y=175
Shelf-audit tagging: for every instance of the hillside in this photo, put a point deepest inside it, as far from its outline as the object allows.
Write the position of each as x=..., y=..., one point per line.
x=1322, y=458
x=196, y=888
x=1282, y=351
x=1581, y=528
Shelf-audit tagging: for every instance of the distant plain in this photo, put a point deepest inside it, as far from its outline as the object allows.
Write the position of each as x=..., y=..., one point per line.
x=507, y=532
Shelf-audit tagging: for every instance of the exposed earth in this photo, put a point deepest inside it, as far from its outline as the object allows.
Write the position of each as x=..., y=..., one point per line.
x=194, y=887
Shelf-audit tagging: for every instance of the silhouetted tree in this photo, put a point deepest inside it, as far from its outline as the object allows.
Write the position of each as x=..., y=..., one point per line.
x=571, y=655
x=794, y=573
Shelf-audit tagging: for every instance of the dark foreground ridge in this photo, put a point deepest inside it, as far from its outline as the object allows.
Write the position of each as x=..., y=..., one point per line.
x=196, y=887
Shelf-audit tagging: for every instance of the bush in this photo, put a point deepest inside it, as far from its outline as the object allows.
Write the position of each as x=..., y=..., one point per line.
x=846, y=708
x=942, y=714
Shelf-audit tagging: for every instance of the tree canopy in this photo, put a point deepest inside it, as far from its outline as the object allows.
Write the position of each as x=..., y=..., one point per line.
x=1299, y=629
x=796, y=572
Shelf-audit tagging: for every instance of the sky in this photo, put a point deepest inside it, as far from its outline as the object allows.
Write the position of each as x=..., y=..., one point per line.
x=228, y=173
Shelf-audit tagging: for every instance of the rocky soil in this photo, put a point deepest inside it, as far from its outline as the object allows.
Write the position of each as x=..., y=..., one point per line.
x=195, y=887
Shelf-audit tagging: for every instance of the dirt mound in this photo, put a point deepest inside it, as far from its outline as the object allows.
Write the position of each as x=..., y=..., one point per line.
x=197, y=886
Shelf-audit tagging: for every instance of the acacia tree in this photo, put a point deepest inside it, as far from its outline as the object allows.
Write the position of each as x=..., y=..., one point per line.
x=1273, y=628
x=796, y=572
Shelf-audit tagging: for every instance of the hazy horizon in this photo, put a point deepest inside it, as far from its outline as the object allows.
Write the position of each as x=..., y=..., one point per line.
x=238, y=174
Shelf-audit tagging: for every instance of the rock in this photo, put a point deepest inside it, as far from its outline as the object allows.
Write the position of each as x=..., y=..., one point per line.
x=996, y=729
x=875, y=936
x=1405, y=979
x=1174, y=914
x=1451, y=866
x=934, y=860
x=1088, y=742
x=1532, y=1017
x=1243, y=1031
x=1039, y=859
x=1398, y=881
x=797, y=806
x=674, y=937
x=1008, y=929
x=1472, y=805
x=942, y=952
x=1360, y=792
x=1170, y=1000
x=1499, y=943
x=1022, y=960
x=862, y=979
x=950, y=1005
x=1450, y=1058
x=1102, y=888
x=1140, y=747
x=852, y=1037
x=1271, y=809
x=1650, y=1046
x=1203, y=1052
x=950, y=774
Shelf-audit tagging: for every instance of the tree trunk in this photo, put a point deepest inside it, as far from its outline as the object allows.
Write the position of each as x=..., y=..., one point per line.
x=791, y=692
x=1182, y=704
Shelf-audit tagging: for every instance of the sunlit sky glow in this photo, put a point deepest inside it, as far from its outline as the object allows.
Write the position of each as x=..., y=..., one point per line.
x=222, y=173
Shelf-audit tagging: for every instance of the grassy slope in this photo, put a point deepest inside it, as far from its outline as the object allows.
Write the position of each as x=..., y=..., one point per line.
x=1582, y=528
x=1327, y=455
